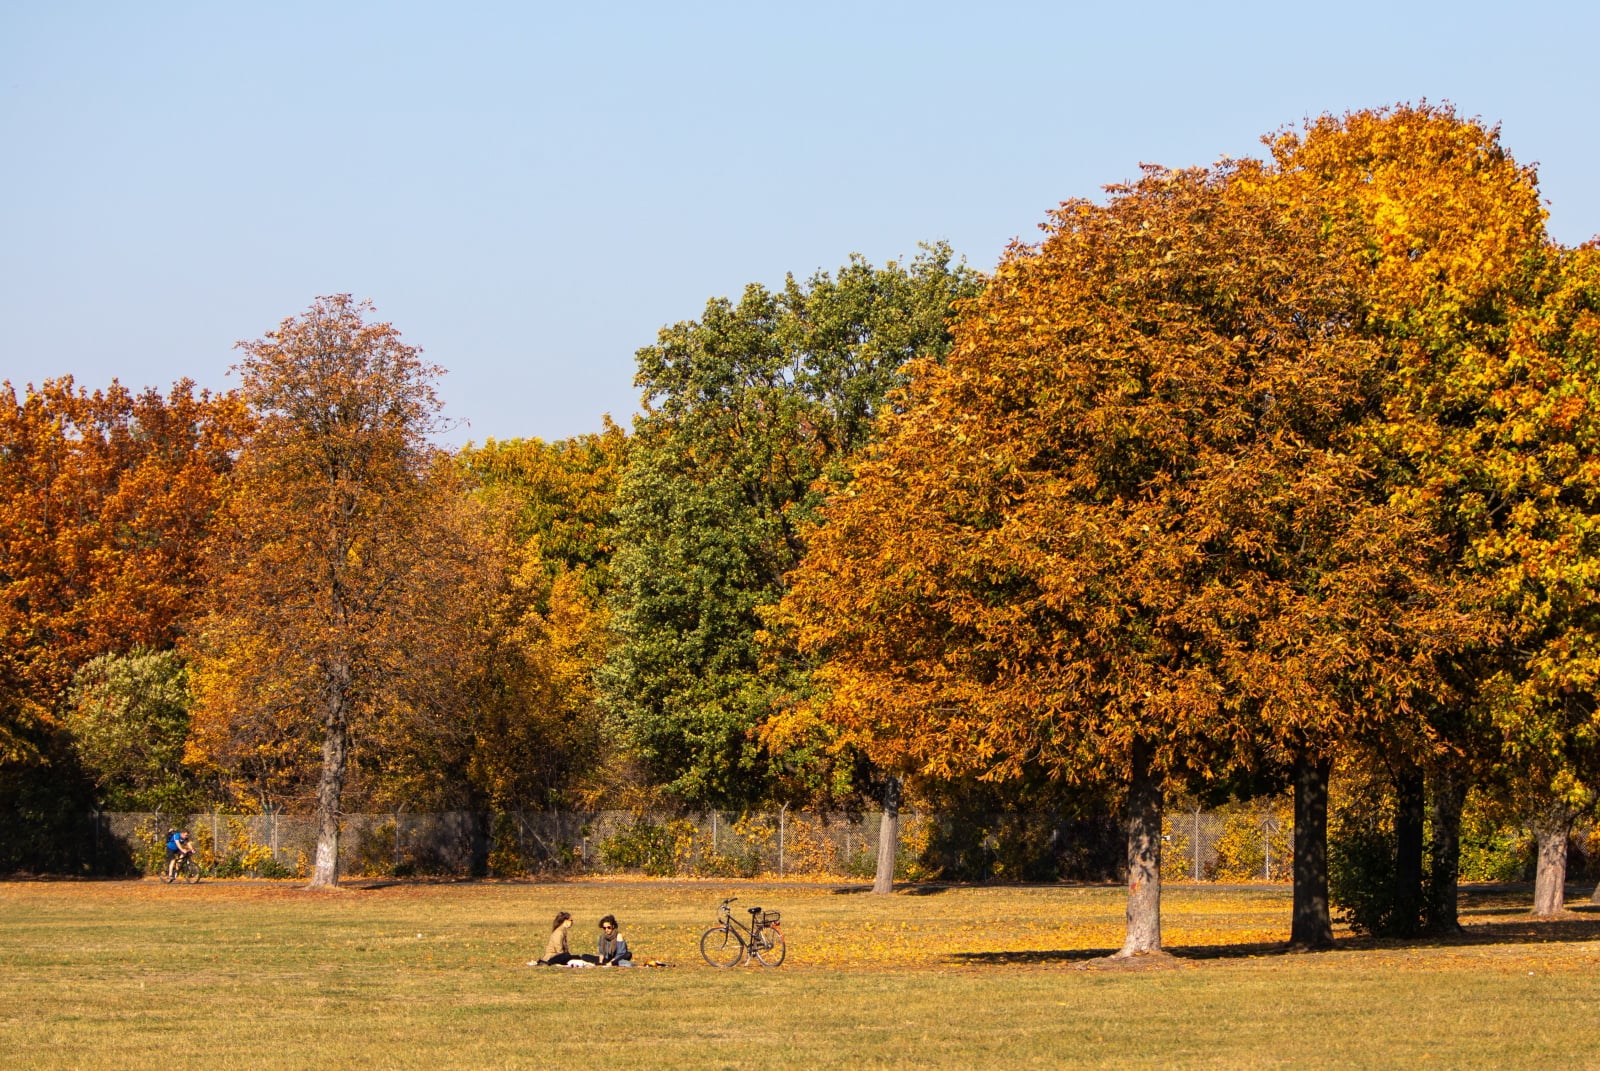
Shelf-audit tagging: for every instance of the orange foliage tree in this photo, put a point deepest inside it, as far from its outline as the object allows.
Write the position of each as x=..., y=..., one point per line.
x=1249, y=465
x=1145, y=522
x=346, y=583
x=105, y=502
x=105, y=498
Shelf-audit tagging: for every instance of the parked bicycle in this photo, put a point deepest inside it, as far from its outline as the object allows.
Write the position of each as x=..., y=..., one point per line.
x=730, y=942
x=187, y=870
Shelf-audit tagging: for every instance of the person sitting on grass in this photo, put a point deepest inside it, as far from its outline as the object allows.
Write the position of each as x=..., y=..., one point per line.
x=613, y=946
x=556, y=951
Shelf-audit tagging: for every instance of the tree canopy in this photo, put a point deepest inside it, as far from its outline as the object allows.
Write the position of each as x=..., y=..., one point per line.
x=744, y=410
x=1197, y=483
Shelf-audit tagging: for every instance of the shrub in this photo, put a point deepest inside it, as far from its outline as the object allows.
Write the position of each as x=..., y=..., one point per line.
x=238, y=856
x=505, y=848
x=911, y=857
x=808, y=849
x=1256, y=842
x=1493, y=848
x=743, y=853
x=1361, y=876
x=657, y=849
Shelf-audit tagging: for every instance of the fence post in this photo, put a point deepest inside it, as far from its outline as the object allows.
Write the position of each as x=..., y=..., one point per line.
x=216, y=851
x=1269, y=825
x=1196, y=842
x=713, y=832
x=396, y=863
x=783, y=813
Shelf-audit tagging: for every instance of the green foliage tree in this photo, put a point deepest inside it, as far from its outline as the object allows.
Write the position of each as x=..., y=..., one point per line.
x=744, y=410
x=129, y=719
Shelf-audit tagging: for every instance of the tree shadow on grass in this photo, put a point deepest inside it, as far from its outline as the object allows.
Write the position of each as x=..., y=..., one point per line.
x=900, y=889
x=1514, y=931
x=1528, y=931
x=1035, y=957
x=1043, y=957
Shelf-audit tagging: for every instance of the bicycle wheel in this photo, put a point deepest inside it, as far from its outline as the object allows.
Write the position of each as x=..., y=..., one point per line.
x=768, y=946
x=191, y=871
x=721, y=946
x=169, y=873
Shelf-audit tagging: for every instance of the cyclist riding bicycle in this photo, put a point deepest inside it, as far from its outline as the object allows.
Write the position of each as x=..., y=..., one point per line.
x=178, y=849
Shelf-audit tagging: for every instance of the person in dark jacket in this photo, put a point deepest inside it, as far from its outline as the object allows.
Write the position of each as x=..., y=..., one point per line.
x=613, y=946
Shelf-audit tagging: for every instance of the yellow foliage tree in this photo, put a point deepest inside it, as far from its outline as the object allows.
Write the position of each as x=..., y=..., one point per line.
x=538, y=729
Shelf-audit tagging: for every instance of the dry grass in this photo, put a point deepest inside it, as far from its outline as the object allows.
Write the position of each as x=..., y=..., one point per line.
x=137, y=974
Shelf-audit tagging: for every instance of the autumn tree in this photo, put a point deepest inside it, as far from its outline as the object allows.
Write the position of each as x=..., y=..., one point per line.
x=1088, y=544
x=744, y=409
x=1487, y=331
x=105, y=502
x=1540, y=556
x=335, y=570
x=538, y=728
x=560, y=495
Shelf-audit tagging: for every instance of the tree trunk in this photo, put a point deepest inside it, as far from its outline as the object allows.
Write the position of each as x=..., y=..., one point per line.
x=1408, y=826
x=888, y=838
x=335, y=747
x=1549, y=882
x=1444, y=877
x=1144, y=856
x=1311, y=926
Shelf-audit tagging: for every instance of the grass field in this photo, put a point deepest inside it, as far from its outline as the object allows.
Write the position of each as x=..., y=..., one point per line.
x=130, y=975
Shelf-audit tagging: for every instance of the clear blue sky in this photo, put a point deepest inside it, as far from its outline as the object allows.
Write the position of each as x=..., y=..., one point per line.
x=530, y=191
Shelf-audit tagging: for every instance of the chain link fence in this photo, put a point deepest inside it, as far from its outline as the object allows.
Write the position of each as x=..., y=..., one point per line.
x=1237, y=843
x=508, y=844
